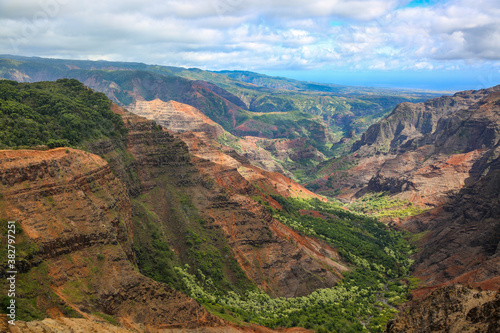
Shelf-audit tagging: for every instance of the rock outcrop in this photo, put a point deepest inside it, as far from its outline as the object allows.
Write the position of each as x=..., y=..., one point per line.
x=411, y=122
x=461, y=240
x=451, y=309
x=76, y=244
x=422, y=152
x=223, y=187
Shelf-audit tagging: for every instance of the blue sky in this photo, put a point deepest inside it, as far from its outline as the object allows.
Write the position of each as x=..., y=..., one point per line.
x=425, y=44
x=419, y=3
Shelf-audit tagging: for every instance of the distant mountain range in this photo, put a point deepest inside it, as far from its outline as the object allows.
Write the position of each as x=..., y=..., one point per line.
x=243, y=103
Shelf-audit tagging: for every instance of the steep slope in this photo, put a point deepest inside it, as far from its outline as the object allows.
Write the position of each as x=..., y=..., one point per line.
x=73, y=214
x=175, y=116
x=221, y=197
x=451, y=309
x=64, y=113
x=461, y=240
x=208, y=140
x=421, y=152
x=275, y=155
x=410, y=122
x=76, y=255
x=294, y=156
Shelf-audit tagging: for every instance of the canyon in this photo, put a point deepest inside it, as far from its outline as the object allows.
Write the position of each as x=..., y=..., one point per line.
x=421, y=152
x=191, y=183
x=80, y=213
x=441, y=155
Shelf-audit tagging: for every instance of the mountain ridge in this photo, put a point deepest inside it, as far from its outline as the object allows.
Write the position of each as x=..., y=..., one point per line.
x=335, y=114
x=198, y=208
x=196, y=216
x=403, y=152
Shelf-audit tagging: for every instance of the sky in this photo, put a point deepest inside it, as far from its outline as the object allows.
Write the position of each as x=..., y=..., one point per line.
x=425, y=44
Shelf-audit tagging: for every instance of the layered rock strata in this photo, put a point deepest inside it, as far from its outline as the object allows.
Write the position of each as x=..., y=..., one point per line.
x=76, y=221
x=221, y=187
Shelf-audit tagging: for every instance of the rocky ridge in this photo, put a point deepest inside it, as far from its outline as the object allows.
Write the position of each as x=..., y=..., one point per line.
x=267, y=154
x=180, y=118
x=272, y=255
x=451, y=309
x=422, y=152
x=77, y=241
x=176, y=117
x=413, y=121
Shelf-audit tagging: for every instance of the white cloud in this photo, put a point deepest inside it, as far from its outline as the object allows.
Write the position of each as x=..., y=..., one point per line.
x=272, y=34
x=423, y=65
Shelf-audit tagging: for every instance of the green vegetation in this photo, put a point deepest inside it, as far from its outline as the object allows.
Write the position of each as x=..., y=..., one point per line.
x=358, y=238
x=234, y=98
x=337, y=169
x=381, y=206
x=108, y=318
x=55, y=114
x=356, y=304
x=32, y=285
x=363, y=301
x=34, y=293
x=35, y=285
x=202, y=247
x=230, y=140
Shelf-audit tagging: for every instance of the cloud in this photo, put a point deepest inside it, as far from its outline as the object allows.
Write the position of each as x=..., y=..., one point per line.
x=260, y=34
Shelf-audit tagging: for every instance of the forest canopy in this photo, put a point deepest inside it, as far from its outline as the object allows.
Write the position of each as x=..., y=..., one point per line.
x=55, y=114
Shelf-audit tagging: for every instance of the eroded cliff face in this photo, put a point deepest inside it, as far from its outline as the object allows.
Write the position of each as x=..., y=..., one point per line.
x=180, y=118
x=418, y=176
x=268, y=154
x=422, y=152
x=461, y=240
x=413, y=121
x=223, y=188
x=175, y=116
x=75, y=251
x=451, y=309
